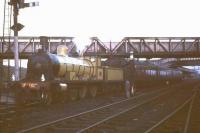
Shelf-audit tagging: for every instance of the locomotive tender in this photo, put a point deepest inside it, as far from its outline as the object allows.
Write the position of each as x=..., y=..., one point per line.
x=51, y=77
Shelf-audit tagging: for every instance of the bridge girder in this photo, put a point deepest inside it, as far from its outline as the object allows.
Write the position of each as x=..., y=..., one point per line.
x=147, y=47
x=159, y=47
x=30, y=45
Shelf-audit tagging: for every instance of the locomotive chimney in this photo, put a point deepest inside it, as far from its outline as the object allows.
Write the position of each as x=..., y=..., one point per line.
x=45, y=43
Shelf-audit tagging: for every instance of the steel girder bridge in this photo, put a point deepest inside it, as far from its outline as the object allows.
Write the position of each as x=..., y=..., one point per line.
x=30, y=45
x=146, y=47
x=140, y=47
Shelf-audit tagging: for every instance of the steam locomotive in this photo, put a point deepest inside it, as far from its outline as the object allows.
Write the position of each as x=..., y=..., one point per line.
x=58, y=77
x=52, y=77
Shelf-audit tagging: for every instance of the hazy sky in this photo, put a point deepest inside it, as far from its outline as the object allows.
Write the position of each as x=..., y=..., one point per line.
x=110, y=19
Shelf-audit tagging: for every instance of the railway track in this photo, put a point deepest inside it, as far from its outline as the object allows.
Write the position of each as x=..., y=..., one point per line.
x=13, y=119
x=94, y=119
x=10, y=116
x=7, y=117
x=184, y=119
x=138, y=119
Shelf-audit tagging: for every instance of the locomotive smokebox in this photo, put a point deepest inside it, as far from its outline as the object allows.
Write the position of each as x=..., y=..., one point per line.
x=45, y=43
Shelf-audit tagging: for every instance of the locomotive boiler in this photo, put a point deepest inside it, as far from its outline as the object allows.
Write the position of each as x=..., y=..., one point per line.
x=52, y=77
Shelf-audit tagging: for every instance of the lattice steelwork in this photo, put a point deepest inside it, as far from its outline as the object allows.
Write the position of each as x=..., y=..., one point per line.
x=152, y=47
x=30, y=45
x=146, y=47
x=96, y=48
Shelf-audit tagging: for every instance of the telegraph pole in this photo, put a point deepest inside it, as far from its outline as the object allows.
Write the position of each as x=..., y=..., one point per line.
x=18, y=4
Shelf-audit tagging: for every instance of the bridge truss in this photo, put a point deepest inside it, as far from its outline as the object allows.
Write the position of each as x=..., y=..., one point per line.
x=30, y=45
x=147, y=47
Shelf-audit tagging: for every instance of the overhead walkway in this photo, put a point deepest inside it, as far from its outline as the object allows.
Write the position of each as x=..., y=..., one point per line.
x=30, y=45
x=146, y=47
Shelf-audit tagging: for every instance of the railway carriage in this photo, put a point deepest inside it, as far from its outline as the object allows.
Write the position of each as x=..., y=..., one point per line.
x=151, y=75
x=144, y=74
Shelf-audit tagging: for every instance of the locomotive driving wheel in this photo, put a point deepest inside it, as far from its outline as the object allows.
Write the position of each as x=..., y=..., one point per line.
x=82, y=92
x=46, y=97
x=127, y=89
x=73, y=94
x=20, y=97
x=93, y=91
x=132, y=90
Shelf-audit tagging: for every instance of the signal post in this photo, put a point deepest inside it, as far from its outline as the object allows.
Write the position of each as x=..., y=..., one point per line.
x=18, y=4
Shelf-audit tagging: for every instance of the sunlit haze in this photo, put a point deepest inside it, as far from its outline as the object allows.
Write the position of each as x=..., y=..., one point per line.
x=110, y=20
